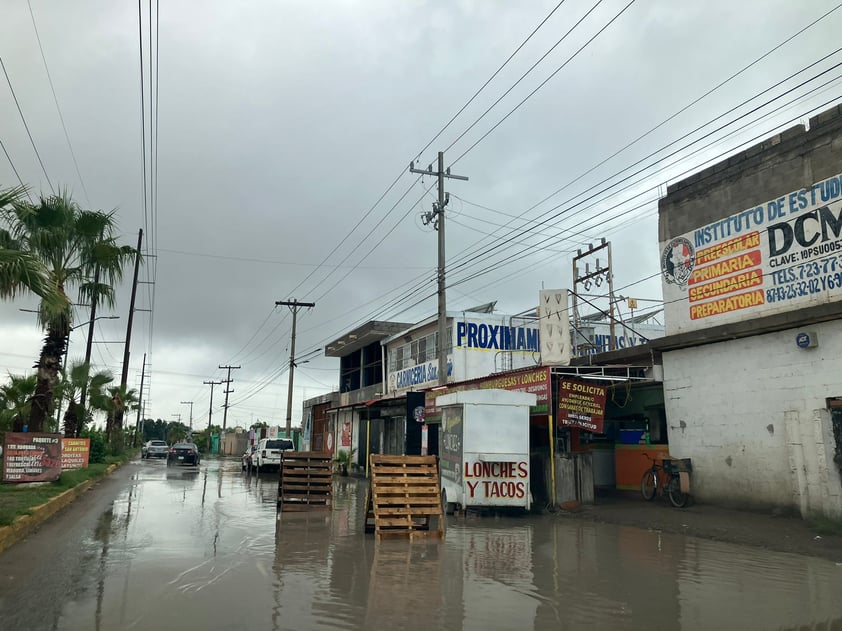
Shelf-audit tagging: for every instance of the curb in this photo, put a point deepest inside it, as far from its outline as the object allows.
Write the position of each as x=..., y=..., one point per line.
x=25, y=525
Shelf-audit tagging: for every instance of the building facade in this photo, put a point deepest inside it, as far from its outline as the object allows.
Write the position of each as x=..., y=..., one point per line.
x=752, y=279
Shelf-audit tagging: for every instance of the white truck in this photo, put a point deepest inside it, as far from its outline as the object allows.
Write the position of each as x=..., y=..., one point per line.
x=484, y=449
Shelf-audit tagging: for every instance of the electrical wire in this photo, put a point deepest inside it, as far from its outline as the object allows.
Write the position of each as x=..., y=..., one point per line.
x=491, y=78
x=28, y=133
x=543, y=83
x=524, y=75
x=58, y=107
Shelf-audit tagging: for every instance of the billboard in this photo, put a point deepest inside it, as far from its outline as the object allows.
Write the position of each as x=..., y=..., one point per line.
x=31, y=457
x=75, y=453
x=581, y=405
x=781, y=255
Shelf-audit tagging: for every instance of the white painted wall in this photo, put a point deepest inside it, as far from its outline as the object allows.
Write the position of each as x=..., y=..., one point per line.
x=753, y=417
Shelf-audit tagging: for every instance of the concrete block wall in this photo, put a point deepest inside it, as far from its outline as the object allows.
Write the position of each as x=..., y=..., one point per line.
x=752, y=415
x=785, y=162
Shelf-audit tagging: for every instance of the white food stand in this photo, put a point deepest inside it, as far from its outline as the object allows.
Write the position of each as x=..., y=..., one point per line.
x=484, y=449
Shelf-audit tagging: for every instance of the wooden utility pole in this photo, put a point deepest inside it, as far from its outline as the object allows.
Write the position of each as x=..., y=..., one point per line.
x=227, y=391
x=437, y=217
x=293, y=306
x=211, y=383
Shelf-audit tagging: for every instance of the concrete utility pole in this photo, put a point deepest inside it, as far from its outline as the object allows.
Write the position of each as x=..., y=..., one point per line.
x=210, y=383
x=125, y=376
x=293, y=306
x=437, y=217
x=190, y=403
x=227, y=391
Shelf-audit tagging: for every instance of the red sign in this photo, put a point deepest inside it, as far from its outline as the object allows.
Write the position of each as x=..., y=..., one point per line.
x=581, y=405
x=345, y=437
x=535, y=380
x=75, y=452
x=29, y=457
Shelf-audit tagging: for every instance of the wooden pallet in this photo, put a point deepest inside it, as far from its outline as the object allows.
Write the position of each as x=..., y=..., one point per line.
x=404, y=497
x=305, y=482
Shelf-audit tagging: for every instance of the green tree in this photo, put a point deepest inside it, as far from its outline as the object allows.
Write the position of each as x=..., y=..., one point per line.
x=114, y=401
x=47, y=248
x=15, y=401
x=74, y=381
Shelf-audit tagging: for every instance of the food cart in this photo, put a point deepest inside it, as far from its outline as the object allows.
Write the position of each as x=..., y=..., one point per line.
x=484, y=449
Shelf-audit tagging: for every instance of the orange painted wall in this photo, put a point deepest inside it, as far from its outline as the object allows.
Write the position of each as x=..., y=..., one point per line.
x=631, y=461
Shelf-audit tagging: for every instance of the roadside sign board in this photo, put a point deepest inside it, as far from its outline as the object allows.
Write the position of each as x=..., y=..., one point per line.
x=75, y=453
x=31, y=457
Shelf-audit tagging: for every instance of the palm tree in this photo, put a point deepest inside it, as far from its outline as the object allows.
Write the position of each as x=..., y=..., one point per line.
x=45, y=249
x=74, y=382
x=15, y=401
x=114, y=401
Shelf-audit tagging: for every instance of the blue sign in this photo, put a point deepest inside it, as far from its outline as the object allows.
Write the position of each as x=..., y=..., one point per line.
x=495, y=336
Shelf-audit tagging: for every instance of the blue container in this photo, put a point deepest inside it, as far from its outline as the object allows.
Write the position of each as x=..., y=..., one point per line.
x=631, y=436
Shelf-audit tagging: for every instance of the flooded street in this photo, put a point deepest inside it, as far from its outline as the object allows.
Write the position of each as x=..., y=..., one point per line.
x=202, y=549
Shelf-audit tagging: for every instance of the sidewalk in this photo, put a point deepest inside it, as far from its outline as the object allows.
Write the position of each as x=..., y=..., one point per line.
x=25, y=525
x=772, y=532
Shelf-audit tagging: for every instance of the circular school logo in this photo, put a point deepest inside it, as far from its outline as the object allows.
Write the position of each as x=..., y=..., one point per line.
x=677, y=261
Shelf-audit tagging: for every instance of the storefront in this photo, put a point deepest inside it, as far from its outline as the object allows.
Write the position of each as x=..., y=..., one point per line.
x=530, y=380
x=610, y=421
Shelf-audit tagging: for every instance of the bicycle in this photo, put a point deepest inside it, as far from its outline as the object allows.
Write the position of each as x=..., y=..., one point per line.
x=665, y=478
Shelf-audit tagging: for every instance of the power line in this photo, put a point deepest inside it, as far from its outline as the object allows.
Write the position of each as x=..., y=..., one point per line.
x=473, y=258
x=28, y=133
x=12, y=164
x=543, y=83
x=58, y=107
x=694, y=102
x=524, y=75
x=491, y=78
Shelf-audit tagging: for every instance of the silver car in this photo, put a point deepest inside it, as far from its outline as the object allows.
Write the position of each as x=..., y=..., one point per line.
x=154, y=449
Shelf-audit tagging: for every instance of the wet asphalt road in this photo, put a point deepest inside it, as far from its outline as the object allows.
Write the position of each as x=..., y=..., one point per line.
x=159, y=548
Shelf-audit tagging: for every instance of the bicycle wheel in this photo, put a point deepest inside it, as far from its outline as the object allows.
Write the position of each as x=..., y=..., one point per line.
x=677, y=497
x=649, y=484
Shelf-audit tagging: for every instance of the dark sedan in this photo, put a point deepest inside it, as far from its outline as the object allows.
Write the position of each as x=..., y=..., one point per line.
x=183, y=454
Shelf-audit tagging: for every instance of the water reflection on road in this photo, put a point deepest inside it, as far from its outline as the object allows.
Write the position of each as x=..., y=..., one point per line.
x=202, y=549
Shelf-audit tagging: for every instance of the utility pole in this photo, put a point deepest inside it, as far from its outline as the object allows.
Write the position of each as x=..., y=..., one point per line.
x=437, y=217
x=227, y=391
x=601, y=274
x=293, y=306
x=84, y=393
x=190, y=403
x=210, y=383
x=125, y=376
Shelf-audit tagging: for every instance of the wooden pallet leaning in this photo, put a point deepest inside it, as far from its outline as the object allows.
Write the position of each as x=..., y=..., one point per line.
x=305, y=482
x=404, y=498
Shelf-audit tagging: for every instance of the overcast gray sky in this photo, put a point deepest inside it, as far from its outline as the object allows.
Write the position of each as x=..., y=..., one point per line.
x=280, y=124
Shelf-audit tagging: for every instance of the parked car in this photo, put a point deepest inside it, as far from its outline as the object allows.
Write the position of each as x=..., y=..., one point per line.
x=183, y=454
x=247, y=457
x=154, y=449
x=269, y=450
